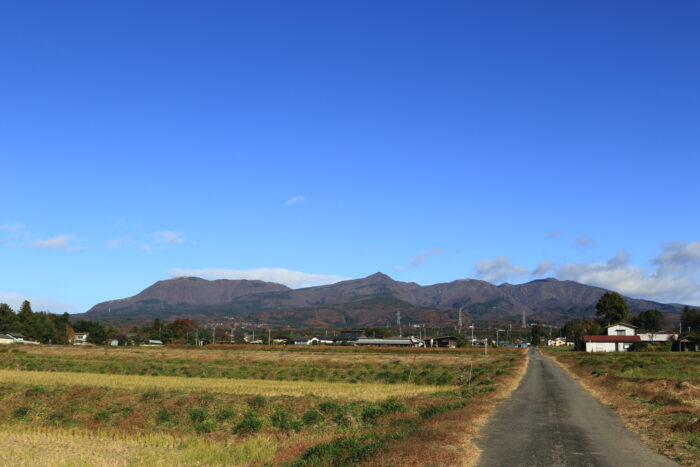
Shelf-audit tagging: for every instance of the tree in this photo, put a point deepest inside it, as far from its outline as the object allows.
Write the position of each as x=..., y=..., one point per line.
x=538, y=332
x=612, y=308
x=576, y=330
x=690, y=319
x=26, y=317
x=649, y=320
x=8, y=319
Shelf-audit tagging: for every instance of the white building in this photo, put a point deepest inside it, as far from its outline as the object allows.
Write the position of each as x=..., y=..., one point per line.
x=622, y=329
x=81, y=338
x=609, y=343
x=621, y=336
x=5, y=339
x=304, y=340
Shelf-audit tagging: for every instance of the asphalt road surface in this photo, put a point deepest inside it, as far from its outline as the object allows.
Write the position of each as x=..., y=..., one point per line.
x=550, y=420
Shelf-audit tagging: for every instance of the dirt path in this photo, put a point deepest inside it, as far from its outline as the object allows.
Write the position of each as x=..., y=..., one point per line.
x=550, y=420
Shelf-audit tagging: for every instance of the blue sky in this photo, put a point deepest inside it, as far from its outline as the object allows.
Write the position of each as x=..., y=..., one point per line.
x=311, y=141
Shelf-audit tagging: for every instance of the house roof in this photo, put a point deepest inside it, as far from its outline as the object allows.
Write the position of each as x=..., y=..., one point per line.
x=612, y=338
x=627, y=325
x=6, y=336
x=15, y=334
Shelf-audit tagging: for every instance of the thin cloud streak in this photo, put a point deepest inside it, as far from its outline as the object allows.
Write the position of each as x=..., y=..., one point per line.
x=423, y=255
x=295, y=199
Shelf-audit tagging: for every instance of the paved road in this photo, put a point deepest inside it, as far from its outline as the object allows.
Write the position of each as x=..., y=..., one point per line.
x=550, y=420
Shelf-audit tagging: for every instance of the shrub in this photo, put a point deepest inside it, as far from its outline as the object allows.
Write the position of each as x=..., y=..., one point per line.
x=163, y=415
x=257, y=402
x=20, y=412
x=225, y=414
x=102, y=416
x=311, y=417
x=206, y=426
x=151, y=395
x=379, y=409
x=282, y=420
x=329, y=407
x=250, y=423
x=198, y=415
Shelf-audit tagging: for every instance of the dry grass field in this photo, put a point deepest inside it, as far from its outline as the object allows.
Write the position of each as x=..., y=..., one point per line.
x=656, y=393
x=320, y=406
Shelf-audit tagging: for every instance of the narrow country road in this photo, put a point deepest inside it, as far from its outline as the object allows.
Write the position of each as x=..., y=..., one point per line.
x=550, y=420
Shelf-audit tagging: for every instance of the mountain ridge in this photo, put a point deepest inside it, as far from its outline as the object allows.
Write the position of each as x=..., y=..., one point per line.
x=353, y=301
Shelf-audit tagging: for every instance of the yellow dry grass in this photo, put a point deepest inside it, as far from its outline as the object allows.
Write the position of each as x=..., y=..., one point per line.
x=239, y=354
x=22, y=445
x=346, y=391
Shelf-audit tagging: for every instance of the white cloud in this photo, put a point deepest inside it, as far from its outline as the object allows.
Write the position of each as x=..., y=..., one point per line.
x=554, y=234
x=674, y=275
x=168, y=237
x=293, y=279
x=146, y=248
x=38, y=304
x=295, y=199
x=585, y=241
x=423, y=255
x=62, y=242
x=500, y=270
x=543, y=268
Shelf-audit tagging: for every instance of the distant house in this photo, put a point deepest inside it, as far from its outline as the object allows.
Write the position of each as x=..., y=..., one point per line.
x=559, y=342
x=81, y=338
x=251, y=339
x=395, y=341
x=280, y=340
x=155, y=342
x=660, y=336
x=622, y=329
x=305, y=340
x=349, y=336
x=621, y=336
x=689, y=344
x=17, y=337
x=609, y=343
x=6, y=339
x=324, y=339
x=447, y=342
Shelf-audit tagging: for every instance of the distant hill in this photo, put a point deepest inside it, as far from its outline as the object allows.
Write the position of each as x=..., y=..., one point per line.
x=370, y=301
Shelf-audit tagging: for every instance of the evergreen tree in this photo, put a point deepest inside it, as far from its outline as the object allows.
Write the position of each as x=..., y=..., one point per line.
x=612, y=308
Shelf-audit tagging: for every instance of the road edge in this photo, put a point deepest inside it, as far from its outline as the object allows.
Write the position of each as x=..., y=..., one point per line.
x=608, y=402
x=469, y=444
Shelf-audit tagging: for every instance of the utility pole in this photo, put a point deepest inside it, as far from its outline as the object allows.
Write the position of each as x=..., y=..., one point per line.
x=269, y=337
x=213, y=334
x=459, y=320
x=472, y=328
x=398, y=321
x=196, y=337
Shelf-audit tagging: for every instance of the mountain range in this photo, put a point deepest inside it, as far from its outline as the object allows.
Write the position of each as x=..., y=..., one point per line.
x=370, y=301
